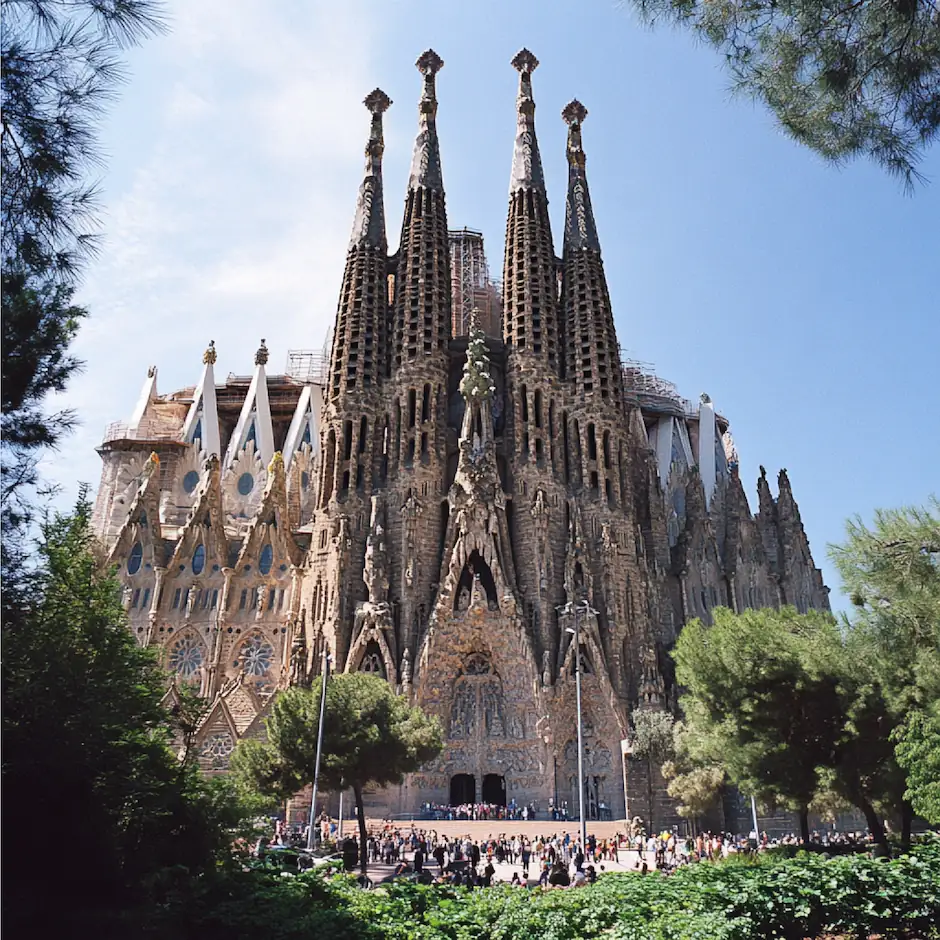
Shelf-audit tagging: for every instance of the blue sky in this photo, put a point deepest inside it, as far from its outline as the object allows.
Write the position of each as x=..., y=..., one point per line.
x=804, y=299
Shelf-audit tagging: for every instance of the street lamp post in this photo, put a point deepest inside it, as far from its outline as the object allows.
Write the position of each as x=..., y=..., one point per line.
x=578, y=609
x=316, y=766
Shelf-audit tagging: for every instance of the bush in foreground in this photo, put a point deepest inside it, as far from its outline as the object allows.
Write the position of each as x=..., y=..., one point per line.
x=736, y=900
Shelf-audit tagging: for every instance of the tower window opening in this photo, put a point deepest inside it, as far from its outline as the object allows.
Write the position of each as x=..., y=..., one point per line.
x=609, y=490
x=606, y=450
x=524, y=394
x=345, y=486
x=426, y=404
x=360, y=477
x=412, y=407
x=539, y=450
x=538, y=408
x=594, y=481
x=409, y=460
x=347, y=440
x=564, y=434
x=424, y=445
x=363, y=430
x=525, y=445
x=592, y=443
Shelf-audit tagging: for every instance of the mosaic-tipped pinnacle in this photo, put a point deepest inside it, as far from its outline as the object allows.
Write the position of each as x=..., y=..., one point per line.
x=429, y=63
x=574, y=112
x=377, y=101
x=524, y=61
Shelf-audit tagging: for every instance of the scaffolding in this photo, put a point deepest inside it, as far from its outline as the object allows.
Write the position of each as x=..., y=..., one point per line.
x=643, y=386
x=471, y=285
x=311, y=365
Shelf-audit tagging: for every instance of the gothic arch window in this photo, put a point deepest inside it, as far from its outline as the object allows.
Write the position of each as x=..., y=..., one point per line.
x=135, y=558
x=372, y=661
x=478, y=709
x=475, y=567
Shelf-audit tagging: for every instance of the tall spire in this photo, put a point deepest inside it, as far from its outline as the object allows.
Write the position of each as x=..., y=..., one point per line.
x=369, y=222
x=422, y=303
x=360, y=349
x=526, y=161
x=530, y=315
x=426, y=162
x=593, y=354
x=580, y=230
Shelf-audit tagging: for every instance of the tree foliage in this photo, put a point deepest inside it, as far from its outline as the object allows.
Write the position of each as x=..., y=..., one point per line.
x=85, y=737
x=61, y=66
x=845, y=77
x=371, y=736
x=793, y=711
x=918, y=752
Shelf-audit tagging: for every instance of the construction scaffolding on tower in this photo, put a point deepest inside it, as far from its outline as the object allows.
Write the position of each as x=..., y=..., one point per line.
x=471, y=285
x=311, y=365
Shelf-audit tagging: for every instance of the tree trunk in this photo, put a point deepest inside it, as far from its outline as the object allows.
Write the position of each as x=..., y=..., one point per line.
x=649, y=793
x=907, y=817
x=804, y=825
x=875, y=827
x=363, y=840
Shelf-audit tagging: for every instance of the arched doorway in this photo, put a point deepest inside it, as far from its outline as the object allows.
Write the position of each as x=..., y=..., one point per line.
x=494, y=789
x=463, y=789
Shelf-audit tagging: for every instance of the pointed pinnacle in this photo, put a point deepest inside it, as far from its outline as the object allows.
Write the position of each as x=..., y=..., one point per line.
x=261, y=356
x=524, y=61
x=429, y=63
x=574, y=112
x=377, y=101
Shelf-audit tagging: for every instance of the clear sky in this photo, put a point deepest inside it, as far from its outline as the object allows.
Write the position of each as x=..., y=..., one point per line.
x=804, y=299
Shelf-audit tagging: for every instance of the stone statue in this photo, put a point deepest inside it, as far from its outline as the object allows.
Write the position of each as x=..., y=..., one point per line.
x=406, y=668
x=546, y=669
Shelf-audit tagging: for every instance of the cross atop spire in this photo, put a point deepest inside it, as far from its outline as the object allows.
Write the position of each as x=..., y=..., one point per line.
x=369, y=221
x=426, y=162
x=580, y=230
x=526, y=161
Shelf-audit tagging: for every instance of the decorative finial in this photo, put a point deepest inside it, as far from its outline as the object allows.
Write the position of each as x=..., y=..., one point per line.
x=574, y=112
x=151, y=372
x=475, y=319
x=261, y=356
x=208, y=357
x=524, y=61
x=429, y=63
x=706, y=398
x=277, y=461
x=377, y=101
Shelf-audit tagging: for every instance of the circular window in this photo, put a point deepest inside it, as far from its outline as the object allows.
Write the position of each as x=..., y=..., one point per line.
x=136, y=557
x=190, y=481
x=246, y=483
x=266, y=559
x=186, y=657
x=199, y=559
x=257, y=655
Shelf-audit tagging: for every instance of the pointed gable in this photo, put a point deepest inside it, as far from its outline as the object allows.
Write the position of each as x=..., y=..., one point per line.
x=141, y=526
x=202, y=421
x=254, y=427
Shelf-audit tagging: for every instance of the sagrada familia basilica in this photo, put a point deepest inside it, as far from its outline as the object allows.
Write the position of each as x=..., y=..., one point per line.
x=442, y=503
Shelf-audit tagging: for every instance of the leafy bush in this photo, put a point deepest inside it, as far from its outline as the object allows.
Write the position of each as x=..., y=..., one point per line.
x=807, y=896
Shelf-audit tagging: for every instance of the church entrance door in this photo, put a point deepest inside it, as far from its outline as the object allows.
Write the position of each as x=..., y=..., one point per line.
x=494, y=789
x=463, y=789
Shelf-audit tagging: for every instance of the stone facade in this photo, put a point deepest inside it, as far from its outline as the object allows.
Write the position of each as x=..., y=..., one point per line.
x=438, y=509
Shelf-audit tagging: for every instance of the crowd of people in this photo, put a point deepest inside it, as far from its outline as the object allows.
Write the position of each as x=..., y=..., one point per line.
x=555, y=860
x=472, y=811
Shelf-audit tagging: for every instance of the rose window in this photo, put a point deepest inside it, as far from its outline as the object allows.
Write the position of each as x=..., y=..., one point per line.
x=217, y=748
x=186, y=657
x=256, y=657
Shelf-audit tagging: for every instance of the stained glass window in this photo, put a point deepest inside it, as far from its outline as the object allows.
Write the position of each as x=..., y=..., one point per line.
x=190, y=481
x=256, y=656
x=135, y=558
x=267, y=559
x=199, y=559
x=246, y=483
x=186, y=657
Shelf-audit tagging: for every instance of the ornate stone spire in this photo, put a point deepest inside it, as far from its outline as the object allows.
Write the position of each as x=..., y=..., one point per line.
x=593, y=354
x=422, y=306
x=526, y=161
x=426, y=162
x=209, y=356
x=369, y=222
x=530, y=318
x=580, y=230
